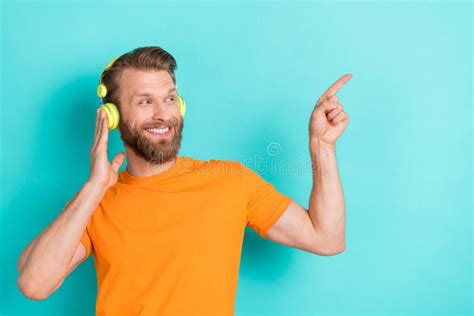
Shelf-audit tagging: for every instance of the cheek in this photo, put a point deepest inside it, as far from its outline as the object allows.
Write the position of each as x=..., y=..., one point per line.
x=132, y=120
x=137, y=117
x=172, y=109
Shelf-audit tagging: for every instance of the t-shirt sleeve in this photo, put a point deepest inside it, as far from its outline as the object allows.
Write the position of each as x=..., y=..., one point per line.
x=265, y=204
x=86, y=238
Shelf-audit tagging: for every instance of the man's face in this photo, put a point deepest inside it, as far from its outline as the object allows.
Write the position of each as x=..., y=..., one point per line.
x=150, y=122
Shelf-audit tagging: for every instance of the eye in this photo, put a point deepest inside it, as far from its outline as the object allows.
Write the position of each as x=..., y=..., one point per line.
x=141, y=102
x=170, y=99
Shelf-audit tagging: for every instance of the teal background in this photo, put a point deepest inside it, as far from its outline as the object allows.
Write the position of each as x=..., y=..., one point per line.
x=251, y=73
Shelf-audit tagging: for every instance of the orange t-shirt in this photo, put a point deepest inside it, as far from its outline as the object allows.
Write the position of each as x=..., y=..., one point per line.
x=170, y=243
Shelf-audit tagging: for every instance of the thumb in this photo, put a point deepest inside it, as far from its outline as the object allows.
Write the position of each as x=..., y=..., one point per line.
x=325, y=106
x=118, y=160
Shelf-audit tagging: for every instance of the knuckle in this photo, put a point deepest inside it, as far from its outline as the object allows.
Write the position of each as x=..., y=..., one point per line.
x=321, y=100
x=323, y=105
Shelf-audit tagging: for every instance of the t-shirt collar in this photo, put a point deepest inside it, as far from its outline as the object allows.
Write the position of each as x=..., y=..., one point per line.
x=126, y=177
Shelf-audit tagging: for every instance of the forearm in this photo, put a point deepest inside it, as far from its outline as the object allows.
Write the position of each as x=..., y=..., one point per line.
x=46, y=260
x=326, y=204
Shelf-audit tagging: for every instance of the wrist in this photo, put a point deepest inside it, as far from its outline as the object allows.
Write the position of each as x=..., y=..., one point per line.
x=95, y=187
x=316, y=145
x=323, y=156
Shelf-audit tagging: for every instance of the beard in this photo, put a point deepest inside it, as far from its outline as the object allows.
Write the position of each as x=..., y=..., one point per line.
x=152, y=151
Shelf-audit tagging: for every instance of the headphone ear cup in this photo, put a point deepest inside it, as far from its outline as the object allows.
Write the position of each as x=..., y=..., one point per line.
x=113, y=115
x=182, y=106
x=101, y=90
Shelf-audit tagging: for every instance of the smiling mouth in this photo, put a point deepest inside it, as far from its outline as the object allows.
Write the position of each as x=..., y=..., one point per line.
x=159, y=132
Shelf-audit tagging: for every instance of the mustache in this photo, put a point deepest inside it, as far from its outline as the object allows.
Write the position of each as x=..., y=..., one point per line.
x=160, y=125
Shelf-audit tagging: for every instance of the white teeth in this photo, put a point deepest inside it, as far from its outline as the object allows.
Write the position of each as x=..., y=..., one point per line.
x=158, y=130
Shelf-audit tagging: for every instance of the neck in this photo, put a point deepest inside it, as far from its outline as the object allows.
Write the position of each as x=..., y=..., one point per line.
x=139, y=167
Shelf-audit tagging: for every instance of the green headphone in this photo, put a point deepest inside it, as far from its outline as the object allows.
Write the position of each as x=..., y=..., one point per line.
x=111, y=109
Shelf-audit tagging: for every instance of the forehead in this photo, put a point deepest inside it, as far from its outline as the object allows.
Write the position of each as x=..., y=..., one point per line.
x=135, y=81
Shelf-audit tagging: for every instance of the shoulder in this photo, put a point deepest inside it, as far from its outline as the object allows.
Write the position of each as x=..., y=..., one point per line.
x=227, y=167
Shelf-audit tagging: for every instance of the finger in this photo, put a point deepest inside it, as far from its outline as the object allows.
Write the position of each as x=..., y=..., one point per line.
x=96, y=131
x=325, y=106
x=334, y=99
x=332, y=114
x=336, y=86
x=339, y=117
x=118, y=160
x=104, y=132
x=99, y=128
x=101, y=125
x=333, y=102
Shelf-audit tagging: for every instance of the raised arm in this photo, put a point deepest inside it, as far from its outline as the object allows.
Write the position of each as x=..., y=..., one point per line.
x=57, y=250
x=321, y=228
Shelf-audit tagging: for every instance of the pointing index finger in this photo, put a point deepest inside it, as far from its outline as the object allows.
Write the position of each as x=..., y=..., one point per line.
x=336, y=86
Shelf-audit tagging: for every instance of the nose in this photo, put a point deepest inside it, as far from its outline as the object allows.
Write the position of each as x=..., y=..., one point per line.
x=161, y=112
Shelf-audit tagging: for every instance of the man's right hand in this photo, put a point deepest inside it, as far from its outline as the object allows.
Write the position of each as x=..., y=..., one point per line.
x=103, y=173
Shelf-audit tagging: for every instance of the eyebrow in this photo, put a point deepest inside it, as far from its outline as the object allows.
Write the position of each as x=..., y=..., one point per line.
x=148, y=94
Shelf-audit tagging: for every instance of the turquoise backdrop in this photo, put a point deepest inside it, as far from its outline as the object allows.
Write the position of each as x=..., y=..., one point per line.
x=251, y=73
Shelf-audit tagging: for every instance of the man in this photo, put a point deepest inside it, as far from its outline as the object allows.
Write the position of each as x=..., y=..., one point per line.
x=166, y=232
